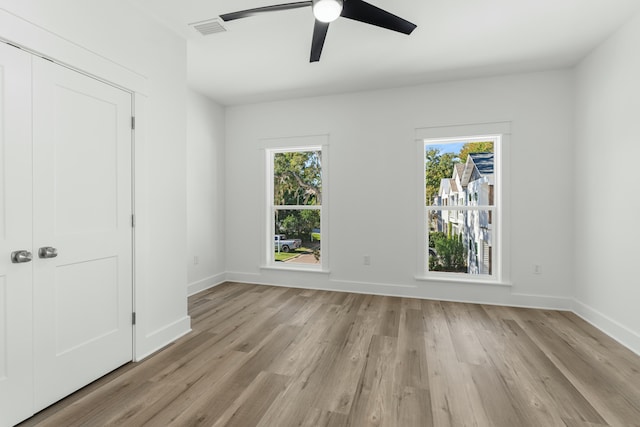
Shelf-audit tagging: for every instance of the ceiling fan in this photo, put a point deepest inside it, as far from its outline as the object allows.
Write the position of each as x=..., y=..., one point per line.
x=327, y=11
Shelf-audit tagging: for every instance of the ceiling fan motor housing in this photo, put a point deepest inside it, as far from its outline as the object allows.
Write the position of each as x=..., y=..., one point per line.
x=327, y=10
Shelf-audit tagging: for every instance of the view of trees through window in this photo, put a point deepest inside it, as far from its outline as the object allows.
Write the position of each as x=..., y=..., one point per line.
x=297, y=203
x=459, y=195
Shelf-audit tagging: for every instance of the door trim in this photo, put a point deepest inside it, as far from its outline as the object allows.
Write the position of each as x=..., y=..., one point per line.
x=48, y=45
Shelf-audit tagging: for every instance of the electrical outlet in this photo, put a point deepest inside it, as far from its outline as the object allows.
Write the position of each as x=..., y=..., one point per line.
x=366, y=260
x=537, y=269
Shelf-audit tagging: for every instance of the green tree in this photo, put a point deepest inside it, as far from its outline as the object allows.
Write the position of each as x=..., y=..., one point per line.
x=297, y=178
x=437, y=167
x=434, y=236
x=298, y=224
x=475, y=147
x=451, y=254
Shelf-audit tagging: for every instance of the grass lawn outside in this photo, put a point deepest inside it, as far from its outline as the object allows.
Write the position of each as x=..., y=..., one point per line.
x=284, y=256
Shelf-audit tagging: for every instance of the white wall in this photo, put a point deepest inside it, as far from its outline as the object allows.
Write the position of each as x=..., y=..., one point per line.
x=123, y=42
x=607, y=205
x=373, y=184
x=205, y=192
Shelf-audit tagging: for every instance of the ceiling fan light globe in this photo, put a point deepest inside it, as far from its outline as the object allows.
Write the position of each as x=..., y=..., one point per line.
x=327, y=10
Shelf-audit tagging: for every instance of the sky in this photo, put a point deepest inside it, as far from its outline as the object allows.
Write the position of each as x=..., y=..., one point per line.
x=453, y=147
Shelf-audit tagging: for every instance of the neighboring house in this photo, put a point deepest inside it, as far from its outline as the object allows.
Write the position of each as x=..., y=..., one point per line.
x=471, y=184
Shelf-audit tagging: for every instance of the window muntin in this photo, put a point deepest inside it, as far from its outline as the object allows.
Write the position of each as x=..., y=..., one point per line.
x=295, y=207
x=460, y=207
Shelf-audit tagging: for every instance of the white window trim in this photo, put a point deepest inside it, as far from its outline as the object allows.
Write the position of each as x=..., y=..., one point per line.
x=468, y=132
x=285, y=145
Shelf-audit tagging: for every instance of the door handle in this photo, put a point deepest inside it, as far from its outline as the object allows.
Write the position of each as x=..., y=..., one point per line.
x=18, y=257
x=47, y=252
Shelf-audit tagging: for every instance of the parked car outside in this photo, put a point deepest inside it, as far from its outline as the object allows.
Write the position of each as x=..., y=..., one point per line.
x=282, y=244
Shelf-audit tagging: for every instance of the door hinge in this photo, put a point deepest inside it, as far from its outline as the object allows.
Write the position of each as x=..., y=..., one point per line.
x=133, y=123
x=133, y=221
x=133, y=318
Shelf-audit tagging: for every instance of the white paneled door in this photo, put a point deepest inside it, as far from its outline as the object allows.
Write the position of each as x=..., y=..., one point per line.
x=16, y=348
x=82, y=213
x=65, y=196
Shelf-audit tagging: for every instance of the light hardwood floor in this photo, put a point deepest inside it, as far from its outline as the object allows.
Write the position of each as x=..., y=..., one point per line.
x=277, y=357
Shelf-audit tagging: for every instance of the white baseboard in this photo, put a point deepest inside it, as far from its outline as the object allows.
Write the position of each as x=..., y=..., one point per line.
x=543, y=302
x=466, y=293
x=154, y=341
x=206, y=283
x=606, y=324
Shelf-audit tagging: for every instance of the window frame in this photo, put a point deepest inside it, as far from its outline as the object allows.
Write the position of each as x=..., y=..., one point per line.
x=271, y=208
x=500, y=133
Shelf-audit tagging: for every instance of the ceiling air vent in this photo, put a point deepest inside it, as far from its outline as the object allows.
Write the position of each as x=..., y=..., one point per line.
x=210, y=26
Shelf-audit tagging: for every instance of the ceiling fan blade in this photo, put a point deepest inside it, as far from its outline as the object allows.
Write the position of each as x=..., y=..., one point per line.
x=319, y=34
x=362, y=11
x=258, y=10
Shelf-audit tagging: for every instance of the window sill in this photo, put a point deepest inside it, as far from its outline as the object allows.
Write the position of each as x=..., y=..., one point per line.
x=461, y=281
x=296, y=269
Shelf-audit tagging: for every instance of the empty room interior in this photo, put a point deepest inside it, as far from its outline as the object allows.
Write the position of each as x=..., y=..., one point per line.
x=319, y=213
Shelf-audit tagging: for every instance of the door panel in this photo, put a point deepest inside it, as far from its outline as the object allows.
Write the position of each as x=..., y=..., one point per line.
x=86, y=281
x=86, y=191
x=82, y=207
x=16, y=363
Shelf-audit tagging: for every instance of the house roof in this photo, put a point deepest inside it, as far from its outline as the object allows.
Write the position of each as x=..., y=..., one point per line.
x=444, y=187
x=459, y=168
x=483, y=162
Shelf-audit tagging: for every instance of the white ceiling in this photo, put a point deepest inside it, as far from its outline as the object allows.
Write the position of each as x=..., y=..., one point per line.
x=267, y=57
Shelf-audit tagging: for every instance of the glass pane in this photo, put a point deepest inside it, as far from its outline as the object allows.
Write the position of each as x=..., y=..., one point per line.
x=459, y=174
x=297, y=236
x=460, y=242
x=297, y=178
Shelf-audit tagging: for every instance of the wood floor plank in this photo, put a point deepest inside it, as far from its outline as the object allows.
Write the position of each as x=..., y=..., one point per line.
x=319, y=418
x=414, y=408
x=501, y=407
x=207, y=408
x=92, y=410
x=463, y=334
x=337, y=392
x=615, y=401
x=291, y=408
x=251, y=405
x=527, y=389
x=313, y=334
x=181, y=395
x=271, y=356
x=374, y=401
x=281, y=315
x=454, y=400
x=411, y=364
x=560, y=388
x=390, y=319
x=577, y=423
x=598, y=348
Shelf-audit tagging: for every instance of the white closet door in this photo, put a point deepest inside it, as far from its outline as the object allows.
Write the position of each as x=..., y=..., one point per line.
x=16, y=379
x=82, y=208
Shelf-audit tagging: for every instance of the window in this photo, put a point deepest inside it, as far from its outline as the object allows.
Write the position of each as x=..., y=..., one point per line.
x=461, y=238
x=295, y=192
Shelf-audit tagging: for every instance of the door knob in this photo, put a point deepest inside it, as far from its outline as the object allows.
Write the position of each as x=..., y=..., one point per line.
x=18, y=257
x=47, y=252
